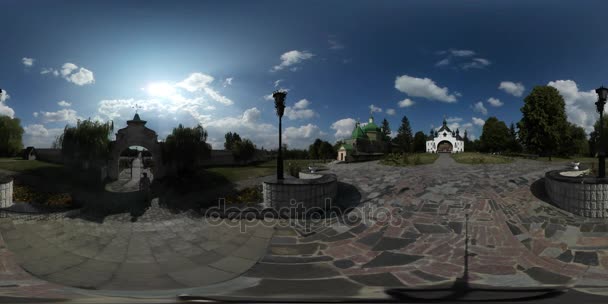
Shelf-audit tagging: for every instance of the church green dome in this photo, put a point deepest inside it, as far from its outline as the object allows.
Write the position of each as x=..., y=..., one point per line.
x=358, y=132
x=371, y=127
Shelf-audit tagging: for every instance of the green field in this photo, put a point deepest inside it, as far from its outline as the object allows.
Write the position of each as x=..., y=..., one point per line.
x=237, y=173
x=480, y=158
x=20, y=165
x=411, y=159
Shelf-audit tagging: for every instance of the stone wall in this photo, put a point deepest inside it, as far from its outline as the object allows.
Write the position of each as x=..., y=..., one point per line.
x=579, y=195
x=6, y=192
x=311, y=193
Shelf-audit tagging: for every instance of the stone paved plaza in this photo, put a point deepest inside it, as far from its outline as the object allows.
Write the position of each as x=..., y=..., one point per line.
x=516, y=238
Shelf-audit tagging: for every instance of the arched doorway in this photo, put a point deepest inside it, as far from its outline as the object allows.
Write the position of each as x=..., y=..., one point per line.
x=445, y=147
x=134, y=161
x=135, y=134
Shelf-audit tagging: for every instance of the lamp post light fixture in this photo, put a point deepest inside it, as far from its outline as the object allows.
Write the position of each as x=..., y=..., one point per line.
x=602, y=95
x=279, y=105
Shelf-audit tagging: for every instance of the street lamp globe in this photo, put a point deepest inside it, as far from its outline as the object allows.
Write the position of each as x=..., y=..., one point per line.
x=279, y=102
x=602, y=95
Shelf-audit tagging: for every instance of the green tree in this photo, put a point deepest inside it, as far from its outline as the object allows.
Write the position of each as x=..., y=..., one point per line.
x=514, y=145
x=313, y=150
x=404, y=136
x=575, y=141
x=594, y=137
x=11, y=133
x=327, y=151
x=543, y=124
x=86, y=143
x=386, y=130
x=231, y=138
x=419, y=142
x=494, y=136
x=243, y=150
x=185, y=148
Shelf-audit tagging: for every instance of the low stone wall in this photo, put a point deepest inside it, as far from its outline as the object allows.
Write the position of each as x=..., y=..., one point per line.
x=311, y=193
x=49, y=155
x=6, y=192
x=585, y=196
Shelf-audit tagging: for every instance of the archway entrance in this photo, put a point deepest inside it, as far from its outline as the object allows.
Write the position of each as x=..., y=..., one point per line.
x=444, y=147
x=134, y=162
x=135, y=135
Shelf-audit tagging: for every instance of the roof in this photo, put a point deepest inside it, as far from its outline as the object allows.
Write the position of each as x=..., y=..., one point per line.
x=358, y=132
x=371, y=126
x=444, y=127
x=348, y=147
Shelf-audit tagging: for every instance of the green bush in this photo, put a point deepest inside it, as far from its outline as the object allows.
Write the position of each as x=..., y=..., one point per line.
x=294, y=169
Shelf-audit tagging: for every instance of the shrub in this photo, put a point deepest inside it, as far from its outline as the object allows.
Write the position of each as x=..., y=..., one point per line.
x=294, y=169
x=250, y=195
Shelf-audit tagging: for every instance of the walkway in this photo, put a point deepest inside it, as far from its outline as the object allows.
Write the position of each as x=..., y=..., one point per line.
x=515, y=239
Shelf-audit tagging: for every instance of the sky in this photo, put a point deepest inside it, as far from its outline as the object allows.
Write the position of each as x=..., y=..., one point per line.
x=216, y=63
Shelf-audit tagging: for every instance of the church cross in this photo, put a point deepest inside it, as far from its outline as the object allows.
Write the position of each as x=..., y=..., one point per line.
x=136, y=107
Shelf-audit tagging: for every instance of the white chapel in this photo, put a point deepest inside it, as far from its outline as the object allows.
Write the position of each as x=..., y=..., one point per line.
x=445, y=141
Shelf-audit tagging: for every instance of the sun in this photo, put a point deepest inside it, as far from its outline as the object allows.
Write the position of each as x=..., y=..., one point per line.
x=160, y=89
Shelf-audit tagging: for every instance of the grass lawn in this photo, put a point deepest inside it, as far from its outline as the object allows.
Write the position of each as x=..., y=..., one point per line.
x=480, y=158
x=20, y=165
x=237, y=173
x=412, y=159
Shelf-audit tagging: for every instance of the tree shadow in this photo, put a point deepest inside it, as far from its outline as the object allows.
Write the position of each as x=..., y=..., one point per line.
x=538, y=190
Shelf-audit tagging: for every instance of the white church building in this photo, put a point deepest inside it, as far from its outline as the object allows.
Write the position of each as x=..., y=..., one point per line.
x=445, y=141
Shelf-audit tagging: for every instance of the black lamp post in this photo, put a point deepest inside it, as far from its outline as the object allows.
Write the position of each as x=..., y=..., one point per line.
x=602, y=95
x=279, y=104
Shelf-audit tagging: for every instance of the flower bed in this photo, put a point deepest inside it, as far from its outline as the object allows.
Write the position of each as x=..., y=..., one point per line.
x=22, y=193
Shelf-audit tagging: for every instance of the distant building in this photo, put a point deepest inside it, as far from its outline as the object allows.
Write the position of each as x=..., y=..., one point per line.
x=366, y=143
x=445, y=141
x=29, y=153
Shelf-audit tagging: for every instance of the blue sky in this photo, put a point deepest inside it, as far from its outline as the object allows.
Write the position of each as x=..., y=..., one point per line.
x=216, y=62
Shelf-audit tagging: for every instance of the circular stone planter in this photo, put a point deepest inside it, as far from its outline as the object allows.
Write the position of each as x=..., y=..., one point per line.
x=310, y=191
x=6, y=191
x=582, y=195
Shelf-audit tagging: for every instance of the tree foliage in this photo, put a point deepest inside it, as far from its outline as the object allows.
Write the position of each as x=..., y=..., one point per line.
x=386, y=130
x=594, y=137
x=243, y=150
x=231, y=138
x=543, y=124
x=186, y=147
x=514, y=145
x=11, y=133
x=419, y=142
x=88, y=141
x=495, y=136
x=404, y=136
x=321, y=149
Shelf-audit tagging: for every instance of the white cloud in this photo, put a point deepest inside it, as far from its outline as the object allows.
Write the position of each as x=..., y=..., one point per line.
x=423, y=87
x=405, y=103
x=67, y=69
x=515, y=89
x=247, y=125
x=580, y=105
x=292, y=58
x=28, y=62
x=476, y=63
x=461, y=53
x=4, y=109
x=196, y=82
x=300, y=110
x=478, y=121
x=35, y=114
x=453, y=119
x=63, y=115
x=49, y=71
x=443, y=62
x=334, y=44
x=375, y=109
x=343, y=127
x=478, y=107
x=39, y=136
x=391, y=112
x=303, y=136
x=228, y=81
x=277, y=82
x=495, y=102
x=64, y=104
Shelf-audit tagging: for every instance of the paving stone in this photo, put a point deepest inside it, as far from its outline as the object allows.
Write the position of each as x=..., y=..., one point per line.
x=546, y=277
x=371, y=239
x=295, y=259
x=566, y=256
x=291, y=271
x=343, y=264
x=379, y=279
x=429, y=228
x=428, y=277
x=331, y=288
x=586, y=258
x=298, y=249
x=391, y=259
x=456, y=227
x=387, y=243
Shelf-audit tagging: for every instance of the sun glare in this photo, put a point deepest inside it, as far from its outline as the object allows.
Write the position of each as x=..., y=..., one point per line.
x=160, y=89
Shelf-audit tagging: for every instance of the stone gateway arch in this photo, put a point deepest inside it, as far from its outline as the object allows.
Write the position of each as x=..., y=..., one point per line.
x=135, y=134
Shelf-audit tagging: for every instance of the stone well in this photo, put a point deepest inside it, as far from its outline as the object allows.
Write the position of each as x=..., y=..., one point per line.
x=582, y=195
x=312, y=191
x=6, y=191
